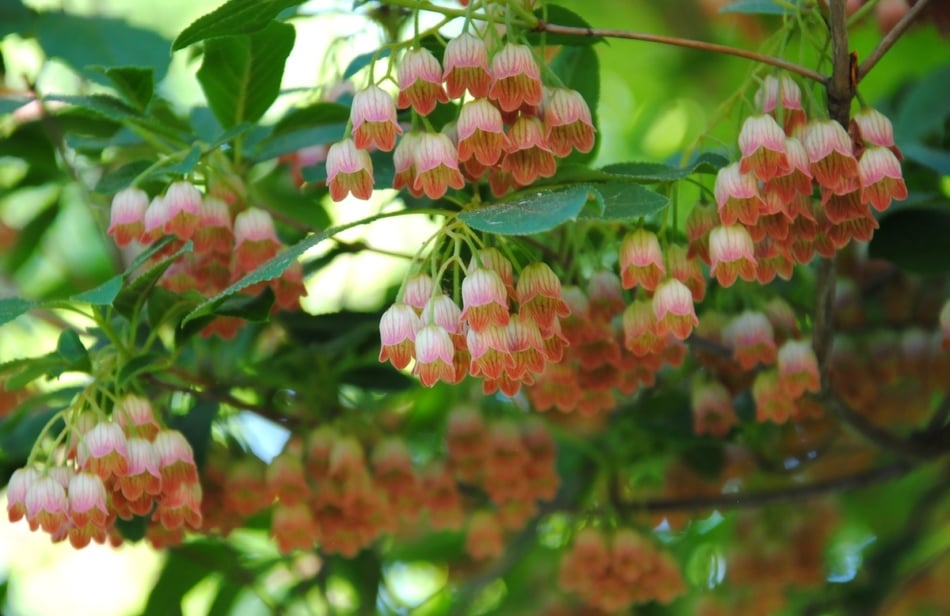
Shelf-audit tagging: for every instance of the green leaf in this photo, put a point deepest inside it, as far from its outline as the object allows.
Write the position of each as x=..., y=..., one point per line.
x=758, y=7
x=130, y=296
x=231, y=18
x=625, y=201
x=103, y=295
x=132, y=530
x=121, y=178
x=561, y=16
x=932, y=158
x=706, y=567
x=923, y=110
x=240, y=75
x=646, y=172
x=915, y=239
x=303, y=127
x=248, y=307
x=83, y=41
x=136, y=84
x=14, y=18
x=12, y=307
x=579, y=70
x=49, y=365
x=71, y=348
x=135, y=367
x=529, y=212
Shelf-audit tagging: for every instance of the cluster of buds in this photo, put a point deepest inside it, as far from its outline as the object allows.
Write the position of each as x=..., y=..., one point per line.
x=612, y=346
x=512, y=463
x=510, y=132
x=778, y=550
x=613, y=571
x=229, y=242
x=125, y=467
x=333, y=491
x=768, y=219
x=484, y=337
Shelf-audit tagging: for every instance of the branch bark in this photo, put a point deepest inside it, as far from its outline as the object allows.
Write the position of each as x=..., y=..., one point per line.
x=681, y=42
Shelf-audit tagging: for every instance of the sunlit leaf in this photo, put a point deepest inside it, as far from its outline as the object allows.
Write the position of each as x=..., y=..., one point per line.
x=529, y=212
x=233, y=17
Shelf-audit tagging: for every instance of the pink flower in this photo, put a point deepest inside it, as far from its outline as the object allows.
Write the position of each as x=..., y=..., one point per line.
x=434, y=353
x=797, y=368
x=539, y=296
x=568, y=122
x=762, y=143
x=176, y=459
x=255, y=240
x=874, y=128
x=404, y=162
x=47, y=506
x=466, y=67
x=136, y=417
x=830, y=155
x=437, y=167
x=373, y=114
x=419, y=288
x=713, y=412
x=349, y=170
x=641, y=260
x=214, y=232
x=526, y=347
x=481, y=132
x=145, y=477
x=489, y=350
x=21, y=481
x=397, y=332
x=797, y=182
x=420, y=81
x=771, y=402
x=529, y=155
x=293, y=527
x=881, y=178
x=639, y=329
x=442, y=311
x=184, y=209
x=516, y=78
x=180, y=506
x=87, y=500
x=127, y=216
x=737, y=196
x=731, y=254
x=102, y=451
x=687, y=270
x=154, y=220
x=702, y=219
x=673, y=308
x=752, y=339
x=484, y=299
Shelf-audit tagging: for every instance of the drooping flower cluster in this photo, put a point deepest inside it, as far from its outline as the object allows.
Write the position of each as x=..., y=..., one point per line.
x=336, y=492
x=613, y=571
x=509, y=131
x=484, y=337
x=768, y=219
x=120, y=468
x=612, y=346
x=229, y=241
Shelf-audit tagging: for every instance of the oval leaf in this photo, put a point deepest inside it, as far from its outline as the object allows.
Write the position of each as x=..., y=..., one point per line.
x=626, y=201
x=234, y=17
x=240, y=75
x=528, y=213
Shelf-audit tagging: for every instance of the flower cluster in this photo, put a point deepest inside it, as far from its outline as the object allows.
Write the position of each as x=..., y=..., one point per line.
x=768, y=219
x=509, y=132
x=339, y=493
x=617, y=570
x=483, y=337
x=612, y=345
x=229, y=242
x=124, y=467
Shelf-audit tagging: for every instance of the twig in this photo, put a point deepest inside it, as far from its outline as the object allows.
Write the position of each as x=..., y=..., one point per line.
x=786, y=494
x=681, y=42
x=921, y=446
x=890, y=38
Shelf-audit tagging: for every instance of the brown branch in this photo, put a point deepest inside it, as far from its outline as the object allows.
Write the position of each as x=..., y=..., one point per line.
x=890, y=38
x=751, y=500
x=681, y=42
